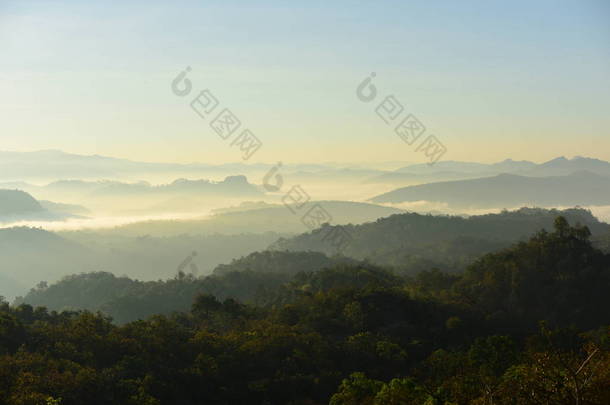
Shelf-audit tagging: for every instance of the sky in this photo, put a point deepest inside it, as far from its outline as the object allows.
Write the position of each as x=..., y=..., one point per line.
x=491, y=80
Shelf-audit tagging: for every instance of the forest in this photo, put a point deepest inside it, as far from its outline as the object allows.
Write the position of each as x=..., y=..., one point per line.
x=313, y=203
x=526, y=324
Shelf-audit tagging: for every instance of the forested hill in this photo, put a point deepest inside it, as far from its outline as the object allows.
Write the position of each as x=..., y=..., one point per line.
x=346, y=335
x=282, y=262
x=414, y=242
x=252, y=279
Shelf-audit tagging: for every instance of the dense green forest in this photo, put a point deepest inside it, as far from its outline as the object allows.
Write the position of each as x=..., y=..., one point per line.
x=413, y=242
x=253, y=279
x=528, y=324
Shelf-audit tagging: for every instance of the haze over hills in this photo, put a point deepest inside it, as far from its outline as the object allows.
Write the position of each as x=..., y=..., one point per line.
x=452, y=170
x=55, y=164
x=33, y=255
x=232, y=217
x=102, y=177
x=111, y=197
x=15, y=202
x=154, y=249
x=564, y=166
x=270, y=276
x=558, y=166
x=256, y=217
x=230, y=186
x=507, y=165
x=412, y=242
x=312, y=203
x=508, y=190
x=17, y=205
x=149, y=251
x=247, y=279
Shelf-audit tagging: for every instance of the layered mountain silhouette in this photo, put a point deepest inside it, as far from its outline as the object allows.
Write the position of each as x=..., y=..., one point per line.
x=454, y=170
x=56, y=164
x=17, y=205
x=16, y=202
x=231, y=186
x=259, y=218
x=509, y=190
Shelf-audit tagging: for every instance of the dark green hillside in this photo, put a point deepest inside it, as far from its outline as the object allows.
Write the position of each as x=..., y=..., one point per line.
x=414, y=242
x=525, y=325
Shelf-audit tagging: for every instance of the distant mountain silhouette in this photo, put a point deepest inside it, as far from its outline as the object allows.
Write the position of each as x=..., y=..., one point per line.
x=55, y=164
x=453, y=170
x=259, y=218
x=398, y=178
x=32, y=255
x=65, y=209
x=563, y=166
x=509, y=190
x=557, y=166
x=445, y=166
x=16, y=203
x=231, y=186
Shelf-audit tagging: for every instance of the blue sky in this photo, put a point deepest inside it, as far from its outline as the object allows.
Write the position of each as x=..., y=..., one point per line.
x=491, y=79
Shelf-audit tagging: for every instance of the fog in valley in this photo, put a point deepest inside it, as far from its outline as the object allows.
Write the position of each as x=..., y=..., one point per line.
x=316, y=203
x=53, y=227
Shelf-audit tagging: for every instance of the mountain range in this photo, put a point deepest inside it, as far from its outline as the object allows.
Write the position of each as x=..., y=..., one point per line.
x=55, y=164
x=582, y=188
x=454, y=170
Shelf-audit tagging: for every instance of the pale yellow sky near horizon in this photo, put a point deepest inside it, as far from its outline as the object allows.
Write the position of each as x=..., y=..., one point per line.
x=490, y=85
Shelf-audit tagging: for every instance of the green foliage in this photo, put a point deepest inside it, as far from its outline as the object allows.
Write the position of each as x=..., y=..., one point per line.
x=346, y=334
x=559, y=277
x=356, y=390
x=412, y=242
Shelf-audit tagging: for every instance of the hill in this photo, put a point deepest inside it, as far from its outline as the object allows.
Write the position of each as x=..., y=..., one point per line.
x=507, y=190
x=413, y=242
x=18, y=203
x=349, y=334
x=249, y=279
x=559, y=166
x=281, y=262
x=31, y=255
x=454, y=170
x=262, y=218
